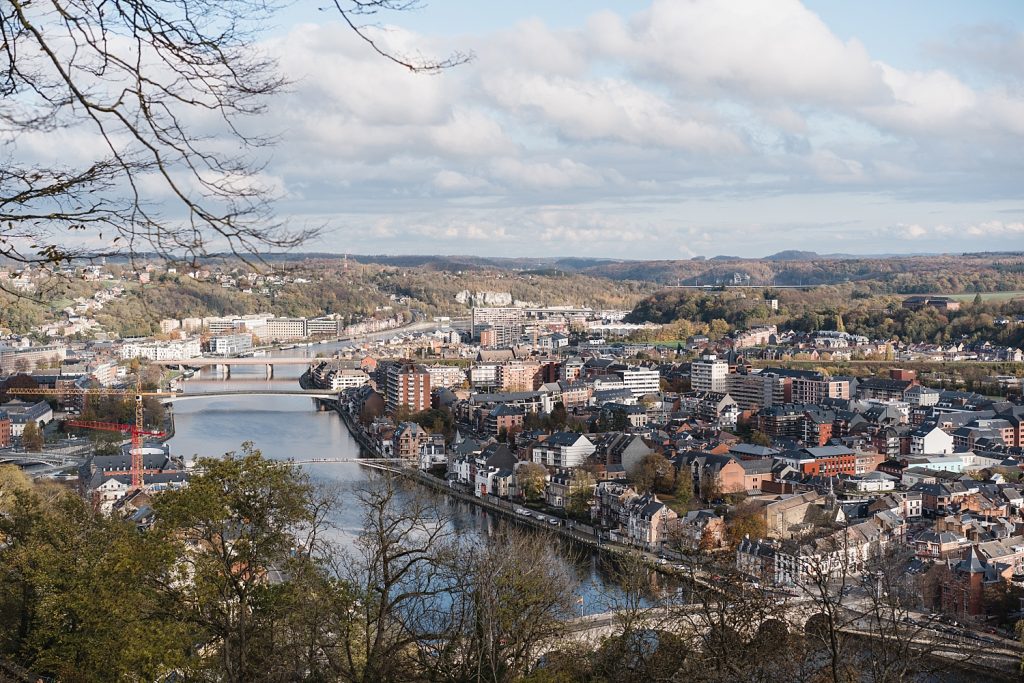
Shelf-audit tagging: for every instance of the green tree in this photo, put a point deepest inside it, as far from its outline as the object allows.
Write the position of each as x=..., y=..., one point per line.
x=79, y=598
x=243, y=519
x=684, y=487
x=760, y=438
x=32, y=437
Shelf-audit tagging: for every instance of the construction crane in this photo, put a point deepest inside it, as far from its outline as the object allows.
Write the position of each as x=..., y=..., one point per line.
x=137, y=430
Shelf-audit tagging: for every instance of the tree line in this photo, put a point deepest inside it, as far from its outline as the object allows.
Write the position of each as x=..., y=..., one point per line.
x=241, y=576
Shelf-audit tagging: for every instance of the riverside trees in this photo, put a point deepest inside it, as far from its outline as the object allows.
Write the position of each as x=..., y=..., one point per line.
x=239, y=579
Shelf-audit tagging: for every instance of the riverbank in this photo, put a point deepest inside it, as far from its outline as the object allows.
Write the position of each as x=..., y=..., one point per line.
x=564, y=528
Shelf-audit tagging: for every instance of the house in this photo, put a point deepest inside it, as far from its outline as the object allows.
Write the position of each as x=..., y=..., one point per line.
x=409, y=438
x=563, y=450
x=648, y=521
x=930, y=440
x=616, y=448
x=699, y=530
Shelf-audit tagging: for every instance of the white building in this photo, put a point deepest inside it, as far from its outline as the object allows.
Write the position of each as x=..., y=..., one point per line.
x=709, y=374
x=563, y=449
x=231, y=344
x=447, y=376
x=159, y=350
x=346, y=378
x=641, y=381
x=932, y=442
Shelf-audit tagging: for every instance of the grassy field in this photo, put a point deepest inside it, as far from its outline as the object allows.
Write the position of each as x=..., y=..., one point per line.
x=985, y=296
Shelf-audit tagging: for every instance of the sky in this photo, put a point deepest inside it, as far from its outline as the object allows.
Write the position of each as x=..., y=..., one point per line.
x=656, y=129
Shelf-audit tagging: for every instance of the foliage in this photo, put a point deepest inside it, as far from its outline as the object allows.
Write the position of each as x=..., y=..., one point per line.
x=32, y=437
x=745, y=520
x=530, y=479
x=654, y=473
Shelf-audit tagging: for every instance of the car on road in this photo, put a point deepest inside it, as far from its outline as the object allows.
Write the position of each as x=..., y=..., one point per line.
x=554, y=521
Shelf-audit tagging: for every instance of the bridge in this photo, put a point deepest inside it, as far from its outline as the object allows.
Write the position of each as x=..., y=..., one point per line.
x=999, y=660
x=267, y=361
x=176, y=398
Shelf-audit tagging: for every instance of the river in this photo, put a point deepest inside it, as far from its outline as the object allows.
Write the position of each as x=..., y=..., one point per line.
x=290, y=427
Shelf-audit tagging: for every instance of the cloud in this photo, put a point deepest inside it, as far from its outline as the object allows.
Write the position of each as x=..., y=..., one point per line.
x=624, y=125
x=995, y=228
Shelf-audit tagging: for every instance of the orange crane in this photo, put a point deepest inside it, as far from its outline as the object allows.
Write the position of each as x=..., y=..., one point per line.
x=137, y=430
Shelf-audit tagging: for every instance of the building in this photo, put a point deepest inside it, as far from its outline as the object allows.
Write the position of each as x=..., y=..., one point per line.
x=640, y=381
x=323, y=327
x=817, y=387
x=446, y=376
x=20, y=413
x=278, y=329
x=408, y=440
x=408, y=387
x=942, y=303
x=930, y=440
x=160, y=350
x=756, y=390
x=6, y=435
x=504, y=321
x=563, y=450
x=709, y=374
x=504, y=418
x=24, y=359
x=231, y=344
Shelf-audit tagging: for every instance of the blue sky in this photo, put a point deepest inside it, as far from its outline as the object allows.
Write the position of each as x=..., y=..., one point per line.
x=657, y=129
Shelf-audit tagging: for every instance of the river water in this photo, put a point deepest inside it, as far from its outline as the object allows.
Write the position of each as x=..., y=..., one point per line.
x=285, y=427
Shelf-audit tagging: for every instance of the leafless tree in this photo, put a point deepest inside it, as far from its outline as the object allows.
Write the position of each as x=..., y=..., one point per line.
x=160, y=89
x=511, y=608
x=401, y=574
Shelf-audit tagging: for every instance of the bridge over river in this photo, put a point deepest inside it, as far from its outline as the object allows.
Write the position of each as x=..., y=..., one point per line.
x=177, y=398
x=227, y=363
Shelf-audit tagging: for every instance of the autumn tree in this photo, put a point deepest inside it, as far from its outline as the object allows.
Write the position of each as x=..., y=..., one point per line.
x=243, y=520
x=746, y=520
x=530, y=480
x=32, y=437
x=654, y=472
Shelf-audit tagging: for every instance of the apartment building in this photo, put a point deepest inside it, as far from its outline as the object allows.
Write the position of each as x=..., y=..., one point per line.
x=278, y=329
x=758, y=390
x=640, y=381
x=503, y=317
x=709, y=374
x=408, y=387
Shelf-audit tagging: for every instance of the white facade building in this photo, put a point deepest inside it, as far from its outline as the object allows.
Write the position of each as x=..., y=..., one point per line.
x=563, y=449
x=709, y=374
x=641, y=381
x=157, y=350
x=935, y=442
